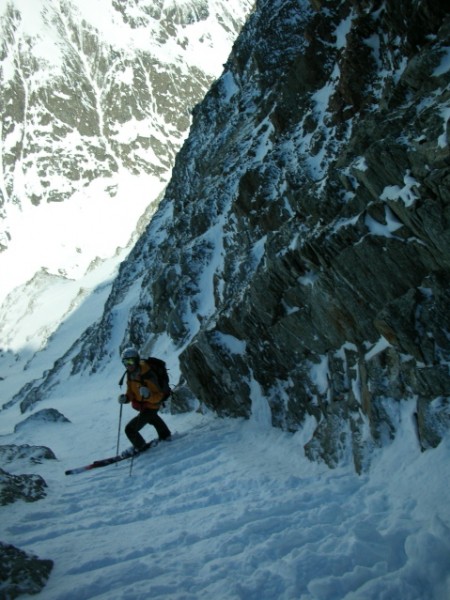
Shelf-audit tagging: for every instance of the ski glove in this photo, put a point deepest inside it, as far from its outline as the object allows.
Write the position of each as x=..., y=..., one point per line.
x=144, y=392
x=122, y=399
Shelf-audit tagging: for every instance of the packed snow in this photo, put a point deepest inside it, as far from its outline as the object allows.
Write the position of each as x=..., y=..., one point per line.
x=229, y=509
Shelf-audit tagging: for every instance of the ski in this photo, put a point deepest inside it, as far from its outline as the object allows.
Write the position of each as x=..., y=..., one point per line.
x=104, y=462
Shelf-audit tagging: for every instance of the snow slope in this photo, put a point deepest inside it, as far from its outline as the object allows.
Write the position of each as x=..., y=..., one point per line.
x=230, y=510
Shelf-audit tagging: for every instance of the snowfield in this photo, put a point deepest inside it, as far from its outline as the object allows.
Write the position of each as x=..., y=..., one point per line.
x=232, y=510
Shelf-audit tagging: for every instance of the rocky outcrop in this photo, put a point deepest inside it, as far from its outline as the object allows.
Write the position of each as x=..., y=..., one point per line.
x=46, y=415
x=31, y=454
x=21, y=573
x=26, y=487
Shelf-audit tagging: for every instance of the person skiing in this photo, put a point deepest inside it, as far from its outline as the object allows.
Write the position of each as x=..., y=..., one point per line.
x=145, y=396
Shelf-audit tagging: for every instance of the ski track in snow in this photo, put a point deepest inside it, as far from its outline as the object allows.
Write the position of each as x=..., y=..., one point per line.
x=232, y=511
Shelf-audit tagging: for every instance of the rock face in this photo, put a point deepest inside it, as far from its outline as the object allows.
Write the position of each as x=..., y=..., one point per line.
x=47, y=415
x=321, y=162
x=300, y=258
x=21, y=573
x=32, y=454
x=21, y=487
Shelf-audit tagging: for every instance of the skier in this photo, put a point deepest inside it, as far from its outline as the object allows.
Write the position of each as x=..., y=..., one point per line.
x=145, y=395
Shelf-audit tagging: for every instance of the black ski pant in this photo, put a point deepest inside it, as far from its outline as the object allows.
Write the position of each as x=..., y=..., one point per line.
x=146, y=417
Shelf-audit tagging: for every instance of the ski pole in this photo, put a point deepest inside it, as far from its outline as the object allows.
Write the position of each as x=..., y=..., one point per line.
x=131, y=466
x=120, y=425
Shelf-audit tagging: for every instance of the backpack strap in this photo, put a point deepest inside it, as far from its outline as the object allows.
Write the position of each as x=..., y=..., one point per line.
x=122, y=378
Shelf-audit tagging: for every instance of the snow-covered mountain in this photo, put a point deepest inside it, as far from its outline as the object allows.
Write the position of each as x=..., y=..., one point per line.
x=92, y=89
x=96, y=100
x=299, y=259
x=295, y=274
x=297, y=265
